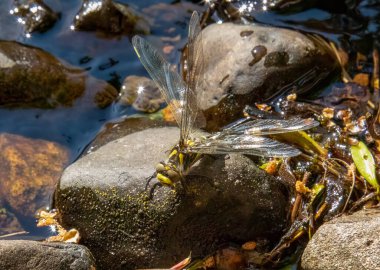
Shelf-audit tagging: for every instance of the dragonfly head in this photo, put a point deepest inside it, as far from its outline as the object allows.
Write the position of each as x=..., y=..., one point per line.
x=167, y=174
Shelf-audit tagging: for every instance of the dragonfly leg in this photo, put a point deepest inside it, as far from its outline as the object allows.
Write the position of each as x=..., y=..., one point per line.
x=153, y=188
x=149, y=179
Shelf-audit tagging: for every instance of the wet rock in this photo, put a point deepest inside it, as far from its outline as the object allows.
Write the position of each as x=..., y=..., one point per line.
x=104, y=196
x=29, y=171
x=110, y=18
x=35, y=15
x=245, y=64
x=8, y=222
x=347, y=242
x=142, y=93
x=31, y=77
x=117, y=130
x=33, y=255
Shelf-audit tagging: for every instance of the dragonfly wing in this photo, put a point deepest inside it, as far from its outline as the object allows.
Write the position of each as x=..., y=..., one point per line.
x=270, y=126
x=169, y=82
x=245, y=144
x=193, y=74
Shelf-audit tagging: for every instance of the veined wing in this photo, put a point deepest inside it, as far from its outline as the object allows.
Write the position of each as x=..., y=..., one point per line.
x=193, y=73
x=244, y=144
x=269, y=126
x=241, y=137
x=169, y=82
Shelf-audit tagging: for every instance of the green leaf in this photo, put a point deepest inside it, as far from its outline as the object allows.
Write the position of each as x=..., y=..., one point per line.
x=303, y=140
x=365, y=163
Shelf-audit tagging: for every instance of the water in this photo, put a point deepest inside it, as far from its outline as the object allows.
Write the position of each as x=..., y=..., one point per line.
x=73, y=127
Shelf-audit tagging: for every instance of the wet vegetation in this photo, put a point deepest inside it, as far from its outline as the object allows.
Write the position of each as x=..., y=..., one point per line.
x=63, y=85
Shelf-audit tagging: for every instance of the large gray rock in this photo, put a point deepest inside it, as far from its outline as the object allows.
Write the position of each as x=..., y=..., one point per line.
x=347, y=242
x=33, y=255
x=245, y=64
x=103, y=195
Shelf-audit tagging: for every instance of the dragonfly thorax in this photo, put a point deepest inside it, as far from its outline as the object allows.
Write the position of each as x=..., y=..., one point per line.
x=176, y=166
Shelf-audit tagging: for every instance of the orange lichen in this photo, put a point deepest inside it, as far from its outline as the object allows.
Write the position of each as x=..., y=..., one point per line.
x=301, y=188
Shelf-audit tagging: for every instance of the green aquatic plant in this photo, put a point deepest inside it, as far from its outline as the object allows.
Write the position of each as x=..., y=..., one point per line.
x=365, y=163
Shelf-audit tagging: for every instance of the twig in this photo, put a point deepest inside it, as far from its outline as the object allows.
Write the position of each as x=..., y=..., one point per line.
x=13, y=234
x=298, y=200
x=376, y=70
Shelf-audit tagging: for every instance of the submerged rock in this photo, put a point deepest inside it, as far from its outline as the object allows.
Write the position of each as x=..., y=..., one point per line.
x=33, y=255
x=31, y=77
x=104, y=196
x=29, y=171
x=252, y=63
x=110, y=18
x=35, y=15
x=142, y=93
x=347, y=242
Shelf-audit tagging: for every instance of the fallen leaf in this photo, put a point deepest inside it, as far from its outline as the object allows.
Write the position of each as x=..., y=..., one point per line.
x=365, y=163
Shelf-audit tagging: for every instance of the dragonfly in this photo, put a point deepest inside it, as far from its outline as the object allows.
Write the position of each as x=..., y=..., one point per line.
x=184, y=94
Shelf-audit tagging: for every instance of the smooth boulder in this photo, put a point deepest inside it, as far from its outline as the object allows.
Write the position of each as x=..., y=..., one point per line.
x=33, y=255
x=33, y=78
x=104, y=195
x=245, y=64
x=346, y=242
x=110, y=18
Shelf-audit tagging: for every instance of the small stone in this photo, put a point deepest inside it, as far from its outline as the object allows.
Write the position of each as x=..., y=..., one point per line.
x=35, y=14
x=346, y=242
x=111, y=18
x=33, y=255
x=142, y=93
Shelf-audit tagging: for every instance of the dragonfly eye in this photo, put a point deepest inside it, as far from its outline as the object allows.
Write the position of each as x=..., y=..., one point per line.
x=160, y=168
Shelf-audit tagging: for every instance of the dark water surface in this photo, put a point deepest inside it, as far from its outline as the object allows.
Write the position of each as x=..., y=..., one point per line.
x=75, y=127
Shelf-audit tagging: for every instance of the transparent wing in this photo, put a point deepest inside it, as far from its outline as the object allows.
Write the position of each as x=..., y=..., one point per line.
x=169, y=82
x=182, y=96
x=241, y=137
x=244, y=144
x=269, y=126
x=193, y=74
